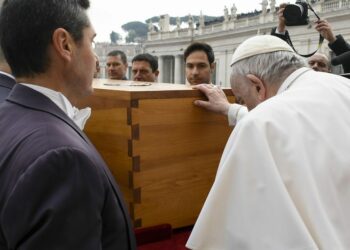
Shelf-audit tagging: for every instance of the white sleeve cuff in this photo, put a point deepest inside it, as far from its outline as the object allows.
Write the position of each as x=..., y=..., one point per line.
x=235, y=113
x=279, y=32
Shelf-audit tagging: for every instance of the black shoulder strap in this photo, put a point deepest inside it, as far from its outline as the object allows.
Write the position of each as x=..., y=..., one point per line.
x=289, y=41
x=320, y=40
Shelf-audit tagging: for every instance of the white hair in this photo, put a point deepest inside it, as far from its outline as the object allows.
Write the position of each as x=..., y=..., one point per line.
x=272, y=68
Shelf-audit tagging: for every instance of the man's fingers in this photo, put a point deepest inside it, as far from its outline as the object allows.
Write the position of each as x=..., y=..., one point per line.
x=207, y=88
x=202, y=87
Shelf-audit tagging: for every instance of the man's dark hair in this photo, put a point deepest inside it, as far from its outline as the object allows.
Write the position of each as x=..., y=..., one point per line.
x=153, y=62
x=118, y=53
x=2, y=57
x=198, y=46
x=27, y=26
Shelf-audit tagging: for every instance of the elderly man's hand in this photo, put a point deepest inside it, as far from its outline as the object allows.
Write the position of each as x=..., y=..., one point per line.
x=217, y=100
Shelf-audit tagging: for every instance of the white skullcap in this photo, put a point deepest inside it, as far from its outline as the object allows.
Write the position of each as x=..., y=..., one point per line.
x=257, y=45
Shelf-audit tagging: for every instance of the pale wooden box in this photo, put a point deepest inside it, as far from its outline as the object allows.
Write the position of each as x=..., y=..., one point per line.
x=162, y=150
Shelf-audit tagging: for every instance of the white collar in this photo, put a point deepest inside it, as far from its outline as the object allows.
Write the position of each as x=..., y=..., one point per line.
x=291, y=78
x=7, y=74
x=78, y=116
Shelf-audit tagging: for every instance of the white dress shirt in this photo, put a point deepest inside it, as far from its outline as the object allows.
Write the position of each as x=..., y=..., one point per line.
x=7, y=74
x=78, y=116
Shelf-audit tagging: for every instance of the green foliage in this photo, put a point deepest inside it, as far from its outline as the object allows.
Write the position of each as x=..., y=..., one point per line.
x=135, y=30
x=115, y=37
x=139, y=28
x=130, y=38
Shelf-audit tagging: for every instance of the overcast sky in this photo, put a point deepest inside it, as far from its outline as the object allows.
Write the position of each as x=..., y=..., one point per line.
x=108, y=15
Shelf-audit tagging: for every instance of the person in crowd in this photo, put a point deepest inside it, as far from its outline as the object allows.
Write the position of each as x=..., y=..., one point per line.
x=199, y=62
x=145, y=68
x=336, y=43
x=7, y=81
x=56, y=191
x=117, y=65
x=319, y=62
x=282, y=182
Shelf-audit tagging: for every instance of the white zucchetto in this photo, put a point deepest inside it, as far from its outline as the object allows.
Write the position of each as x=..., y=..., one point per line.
x=259, y=45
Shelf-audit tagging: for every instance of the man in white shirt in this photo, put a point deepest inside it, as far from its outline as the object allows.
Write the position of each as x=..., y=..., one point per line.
x=284, y=178
x=56, y=192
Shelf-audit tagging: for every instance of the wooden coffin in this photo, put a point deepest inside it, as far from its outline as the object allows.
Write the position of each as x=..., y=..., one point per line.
x=162, y=150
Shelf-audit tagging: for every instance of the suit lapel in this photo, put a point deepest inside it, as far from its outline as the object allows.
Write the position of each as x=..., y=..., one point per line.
x=32, y=99
x=6, y=81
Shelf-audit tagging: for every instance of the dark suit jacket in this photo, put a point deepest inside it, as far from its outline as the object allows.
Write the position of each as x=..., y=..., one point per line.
x=6, y=84
x=56, y=192
x=340, y=46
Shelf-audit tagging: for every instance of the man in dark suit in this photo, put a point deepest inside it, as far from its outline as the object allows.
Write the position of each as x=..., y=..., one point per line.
x=56, y=192
x=7, y=81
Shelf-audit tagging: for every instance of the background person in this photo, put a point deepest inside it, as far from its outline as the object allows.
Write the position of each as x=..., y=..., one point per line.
x=199, y=62
x=282, y=182
x=117, y=65
x=56, y=191
x=319, y=62
x=145, y=68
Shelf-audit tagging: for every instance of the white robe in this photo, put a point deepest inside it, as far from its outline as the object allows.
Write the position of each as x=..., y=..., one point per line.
x=284, y=178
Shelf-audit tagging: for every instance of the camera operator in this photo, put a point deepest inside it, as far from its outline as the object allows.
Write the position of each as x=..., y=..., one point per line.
x=336, y=43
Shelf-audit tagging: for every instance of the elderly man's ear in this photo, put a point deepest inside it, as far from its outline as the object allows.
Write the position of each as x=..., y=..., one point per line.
x=258, y=86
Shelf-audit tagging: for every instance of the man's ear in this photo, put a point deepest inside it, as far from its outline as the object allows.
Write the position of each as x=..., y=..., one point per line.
x=63, y=44
x=212, y=67
x=156, y=73
x=259, y=86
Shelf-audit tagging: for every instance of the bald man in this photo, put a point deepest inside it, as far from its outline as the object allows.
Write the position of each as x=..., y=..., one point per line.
x=319, y=62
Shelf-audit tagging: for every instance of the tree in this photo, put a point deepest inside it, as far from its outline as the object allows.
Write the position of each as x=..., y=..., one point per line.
x=115, y=37
x=130, y=38
x=139, y=28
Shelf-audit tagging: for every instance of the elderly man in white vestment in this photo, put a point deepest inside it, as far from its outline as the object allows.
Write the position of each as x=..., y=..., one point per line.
x=283, y=182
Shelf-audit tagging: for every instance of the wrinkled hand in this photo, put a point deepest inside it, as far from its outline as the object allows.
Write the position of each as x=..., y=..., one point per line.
x=325, y=29
x=217, y=100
